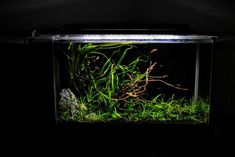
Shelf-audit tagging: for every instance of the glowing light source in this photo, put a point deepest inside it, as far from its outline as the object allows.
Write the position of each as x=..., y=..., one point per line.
x=146, y=38
x=138, y=38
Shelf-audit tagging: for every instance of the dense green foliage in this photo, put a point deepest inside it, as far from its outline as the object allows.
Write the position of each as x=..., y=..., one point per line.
x=104, y=87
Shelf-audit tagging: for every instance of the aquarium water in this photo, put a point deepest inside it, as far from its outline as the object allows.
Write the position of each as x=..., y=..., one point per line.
x=131, y=77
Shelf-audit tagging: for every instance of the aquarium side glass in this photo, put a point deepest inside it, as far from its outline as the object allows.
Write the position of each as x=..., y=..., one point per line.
x=163, y=79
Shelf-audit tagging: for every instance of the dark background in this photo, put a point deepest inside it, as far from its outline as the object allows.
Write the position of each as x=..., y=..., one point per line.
x=27, y=83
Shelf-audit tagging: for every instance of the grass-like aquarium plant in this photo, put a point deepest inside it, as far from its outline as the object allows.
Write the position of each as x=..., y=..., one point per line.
x=107, y=82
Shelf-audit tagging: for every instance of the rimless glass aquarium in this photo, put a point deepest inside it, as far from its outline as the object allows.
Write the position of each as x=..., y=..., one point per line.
x=112, y=78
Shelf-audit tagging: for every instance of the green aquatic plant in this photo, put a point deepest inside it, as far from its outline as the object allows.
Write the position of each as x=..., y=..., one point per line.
x=105, y=86
x=157, y=109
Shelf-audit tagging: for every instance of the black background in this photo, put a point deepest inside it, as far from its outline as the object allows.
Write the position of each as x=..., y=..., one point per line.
x=27, y=89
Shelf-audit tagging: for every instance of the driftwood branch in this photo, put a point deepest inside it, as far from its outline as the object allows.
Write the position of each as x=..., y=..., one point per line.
x=137, y=88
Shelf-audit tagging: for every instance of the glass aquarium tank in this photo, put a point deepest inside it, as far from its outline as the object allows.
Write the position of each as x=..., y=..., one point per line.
x=147, y=78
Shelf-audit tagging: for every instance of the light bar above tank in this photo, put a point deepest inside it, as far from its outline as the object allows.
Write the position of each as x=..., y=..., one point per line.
x=137, y=38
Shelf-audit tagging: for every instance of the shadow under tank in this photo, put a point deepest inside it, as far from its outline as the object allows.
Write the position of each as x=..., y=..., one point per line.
x=132, y=78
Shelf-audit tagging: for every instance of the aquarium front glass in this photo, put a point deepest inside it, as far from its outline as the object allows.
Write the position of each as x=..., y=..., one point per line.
x=132, y=78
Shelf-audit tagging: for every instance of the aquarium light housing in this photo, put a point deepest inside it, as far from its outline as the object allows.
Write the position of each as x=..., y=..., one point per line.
x=138, y=38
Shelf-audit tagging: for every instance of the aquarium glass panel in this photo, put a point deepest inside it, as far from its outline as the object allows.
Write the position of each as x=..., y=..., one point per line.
x=132, y=78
